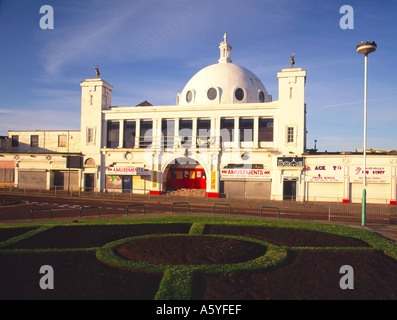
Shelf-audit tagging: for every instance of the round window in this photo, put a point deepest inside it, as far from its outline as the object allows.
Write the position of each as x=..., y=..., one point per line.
x=189, y=96
x=239, y=94
x=261, y=96
x=211, y=93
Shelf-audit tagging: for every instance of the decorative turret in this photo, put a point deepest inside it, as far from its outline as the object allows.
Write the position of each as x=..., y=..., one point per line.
x=225, y=51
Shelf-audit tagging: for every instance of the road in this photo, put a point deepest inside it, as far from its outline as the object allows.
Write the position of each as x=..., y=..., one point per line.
x=70, y=208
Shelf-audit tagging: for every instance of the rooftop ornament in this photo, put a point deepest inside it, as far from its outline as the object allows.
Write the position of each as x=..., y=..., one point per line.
x=97, y=71
x=292, y=60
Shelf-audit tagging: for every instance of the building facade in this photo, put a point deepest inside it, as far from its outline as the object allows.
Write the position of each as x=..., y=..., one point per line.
x=224, y=137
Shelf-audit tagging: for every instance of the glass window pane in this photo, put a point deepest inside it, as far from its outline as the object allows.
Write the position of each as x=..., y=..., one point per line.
x=129, y=134
x=113, y=134
x=265, y=131
x=246, y=129
x=145, y=139
x=34, y=141
x=227, y=130
x=168, y=132
x=185, y=132
x=203, y=132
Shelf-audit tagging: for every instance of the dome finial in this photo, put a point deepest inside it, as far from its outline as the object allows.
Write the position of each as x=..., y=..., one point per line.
x=225, y=50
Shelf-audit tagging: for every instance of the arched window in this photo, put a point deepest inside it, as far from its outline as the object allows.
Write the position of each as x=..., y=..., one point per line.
x=189, y=96
x=89, y=163
x=261, y=96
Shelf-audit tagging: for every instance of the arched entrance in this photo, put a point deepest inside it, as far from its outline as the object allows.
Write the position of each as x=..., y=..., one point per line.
x=185, y=174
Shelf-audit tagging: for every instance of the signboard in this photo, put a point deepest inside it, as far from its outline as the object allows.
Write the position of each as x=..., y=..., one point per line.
x=213, y=180
x=290, y=162
x=75, y=162
x=127, y=171
x=327, y=173
x=245, y=173
x=58, y=166
x=154, y=179
x=374, y=174
x=7, y=165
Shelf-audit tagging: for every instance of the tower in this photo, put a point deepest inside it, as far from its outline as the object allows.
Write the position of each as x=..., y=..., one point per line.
x=291, y=95
x=95, y=97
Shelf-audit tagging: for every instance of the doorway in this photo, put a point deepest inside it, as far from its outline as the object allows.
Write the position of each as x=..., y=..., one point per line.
x=289, y=189
x=127, y=183
x=89, y=183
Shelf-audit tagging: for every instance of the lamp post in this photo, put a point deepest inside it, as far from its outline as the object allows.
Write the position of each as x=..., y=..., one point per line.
x=365, y=48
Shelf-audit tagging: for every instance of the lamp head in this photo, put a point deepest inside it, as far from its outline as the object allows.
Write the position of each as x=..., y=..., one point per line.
x=366, y=47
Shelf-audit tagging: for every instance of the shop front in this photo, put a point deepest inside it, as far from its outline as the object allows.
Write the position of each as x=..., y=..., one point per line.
x=128, y=179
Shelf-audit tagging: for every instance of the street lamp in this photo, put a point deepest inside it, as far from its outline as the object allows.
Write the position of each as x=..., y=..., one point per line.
x=365, y=48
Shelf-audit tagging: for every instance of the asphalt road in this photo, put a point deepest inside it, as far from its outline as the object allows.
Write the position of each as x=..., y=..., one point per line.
x=70, y=208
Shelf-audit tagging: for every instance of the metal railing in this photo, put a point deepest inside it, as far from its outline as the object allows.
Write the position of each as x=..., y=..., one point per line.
x=177, y=141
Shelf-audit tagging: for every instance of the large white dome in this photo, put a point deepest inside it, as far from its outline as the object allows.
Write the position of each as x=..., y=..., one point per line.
x=223, y=83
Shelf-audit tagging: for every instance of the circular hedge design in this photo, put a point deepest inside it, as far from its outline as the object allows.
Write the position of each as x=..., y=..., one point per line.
x=192, y=250
x=207, y=253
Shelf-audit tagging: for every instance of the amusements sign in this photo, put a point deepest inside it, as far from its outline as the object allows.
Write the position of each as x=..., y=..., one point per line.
x=245, y=173
x=127, y=171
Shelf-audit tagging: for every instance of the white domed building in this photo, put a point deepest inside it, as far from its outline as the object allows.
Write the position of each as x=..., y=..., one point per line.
x=224, y=137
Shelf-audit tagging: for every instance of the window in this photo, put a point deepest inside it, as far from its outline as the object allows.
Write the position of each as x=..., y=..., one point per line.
x=239, y=94
x=246, y=129
x=265, y=130
x=62, y=140
x=290, y=134
x=189, y=96
x=129, y=134
x=186, y=132
x=168, y=131
x=90, y=135
x=261, y=96
x=113, y=134
x=211, y=93
x=34, y=140
x=203, y=132
x=7, y=175
x=227, y=130
x=15, y=141
x=145, y=136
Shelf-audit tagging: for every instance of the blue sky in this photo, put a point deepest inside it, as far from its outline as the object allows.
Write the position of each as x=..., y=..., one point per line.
x=149, y=49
